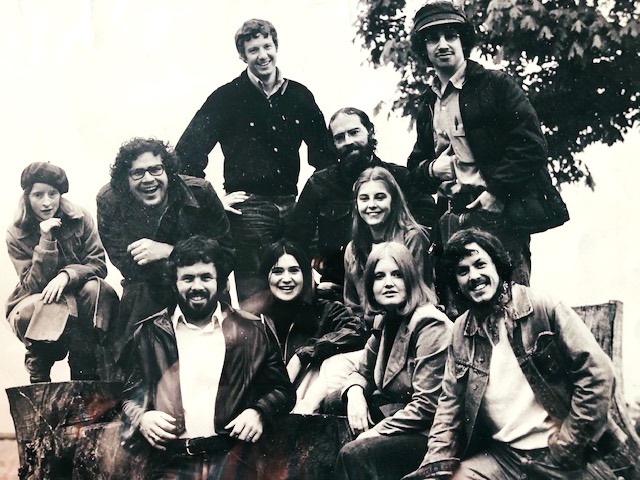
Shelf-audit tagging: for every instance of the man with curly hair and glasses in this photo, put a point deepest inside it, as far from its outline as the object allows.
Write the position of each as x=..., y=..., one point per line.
x=142, y=212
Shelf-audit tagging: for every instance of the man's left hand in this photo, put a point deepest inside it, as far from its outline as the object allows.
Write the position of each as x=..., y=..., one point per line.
x=488, y=202
x=247, y=426
x=146, y=251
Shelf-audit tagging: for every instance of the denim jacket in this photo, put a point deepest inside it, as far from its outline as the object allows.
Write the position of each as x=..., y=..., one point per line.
x=574, y=381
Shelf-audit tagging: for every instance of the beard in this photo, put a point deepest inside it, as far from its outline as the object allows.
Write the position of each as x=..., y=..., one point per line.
x=355, y=158
x=197, y=311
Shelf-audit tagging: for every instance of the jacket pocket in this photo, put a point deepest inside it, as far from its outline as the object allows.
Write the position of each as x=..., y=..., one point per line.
x=461, y=371
x=546, y=355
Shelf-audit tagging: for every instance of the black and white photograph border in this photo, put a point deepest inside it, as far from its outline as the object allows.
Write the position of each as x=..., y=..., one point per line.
x=80, y=77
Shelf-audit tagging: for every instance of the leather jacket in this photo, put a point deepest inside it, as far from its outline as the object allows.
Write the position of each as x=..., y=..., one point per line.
x=572, y=379
x=402, y=375
x=194, y=209
x=319, y=330
x=253, y=375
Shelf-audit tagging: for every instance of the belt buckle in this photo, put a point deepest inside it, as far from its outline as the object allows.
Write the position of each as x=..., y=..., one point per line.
x=187, y=447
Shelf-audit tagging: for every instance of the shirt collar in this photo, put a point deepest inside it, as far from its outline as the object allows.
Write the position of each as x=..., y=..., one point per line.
x=178, y=317
x=457, y=80
x=280, y=85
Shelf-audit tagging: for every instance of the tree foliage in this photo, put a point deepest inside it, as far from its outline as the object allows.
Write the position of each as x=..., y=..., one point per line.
x=578, y=60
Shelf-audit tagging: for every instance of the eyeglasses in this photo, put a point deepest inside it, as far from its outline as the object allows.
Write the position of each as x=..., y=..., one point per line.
x=435, y=36
x=138, y=173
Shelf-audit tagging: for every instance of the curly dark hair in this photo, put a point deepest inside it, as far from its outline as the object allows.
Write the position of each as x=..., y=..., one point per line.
x=467, y=32
x=199, y=248
x=456, y=249
x=131, y=150
x=251, y=29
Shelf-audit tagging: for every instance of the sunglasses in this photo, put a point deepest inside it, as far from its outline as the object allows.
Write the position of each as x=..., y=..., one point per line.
x=434, y=37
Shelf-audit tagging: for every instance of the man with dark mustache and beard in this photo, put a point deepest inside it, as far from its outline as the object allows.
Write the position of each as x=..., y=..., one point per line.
x=527, y=389
x=479, y=142
x=203, y=379
x=326, y=203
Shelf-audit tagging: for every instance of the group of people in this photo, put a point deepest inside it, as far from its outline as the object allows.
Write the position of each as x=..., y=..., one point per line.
x=349, y=294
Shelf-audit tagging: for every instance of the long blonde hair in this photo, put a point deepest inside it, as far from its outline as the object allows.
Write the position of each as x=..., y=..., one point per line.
x=417, y=291
x=399, y=222
x=26, y=220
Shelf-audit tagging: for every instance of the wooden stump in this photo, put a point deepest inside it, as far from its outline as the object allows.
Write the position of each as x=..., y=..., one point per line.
x=99, y=455
x=48, y=418
x=305, y=447
x=301, y=447
x=605, y=322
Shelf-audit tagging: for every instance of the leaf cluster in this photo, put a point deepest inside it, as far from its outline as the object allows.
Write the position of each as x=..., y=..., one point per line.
x=578, y=60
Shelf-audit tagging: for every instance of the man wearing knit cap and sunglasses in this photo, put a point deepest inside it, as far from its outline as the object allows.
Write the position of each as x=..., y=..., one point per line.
x=479, y=143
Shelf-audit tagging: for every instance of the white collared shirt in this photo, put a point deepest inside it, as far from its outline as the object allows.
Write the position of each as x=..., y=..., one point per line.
x=201, y=352
x=259, y=84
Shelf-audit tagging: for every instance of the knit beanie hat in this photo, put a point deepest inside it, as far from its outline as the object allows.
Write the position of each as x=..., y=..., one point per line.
x=438, y=13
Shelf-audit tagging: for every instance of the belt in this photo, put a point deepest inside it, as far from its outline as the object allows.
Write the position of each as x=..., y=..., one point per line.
x=200, y=445
x=458, y=203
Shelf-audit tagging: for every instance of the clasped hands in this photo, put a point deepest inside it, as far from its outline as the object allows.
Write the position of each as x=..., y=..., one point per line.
x=442, y=169
x=159, y=427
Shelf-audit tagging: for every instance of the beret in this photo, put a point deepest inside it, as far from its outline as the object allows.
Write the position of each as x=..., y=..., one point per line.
x=43, y=172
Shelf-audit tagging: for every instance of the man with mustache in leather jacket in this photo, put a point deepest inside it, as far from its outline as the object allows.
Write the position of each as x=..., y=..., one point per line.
x=204, y=380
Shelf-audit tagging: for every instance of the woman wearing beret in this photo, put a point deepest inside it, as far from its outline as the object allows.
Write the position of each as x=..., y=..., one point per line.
x=61, y=301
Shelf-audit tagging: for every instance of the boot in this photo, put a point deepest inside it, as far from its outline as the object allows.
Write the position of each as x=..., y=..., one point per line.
x=38, y=366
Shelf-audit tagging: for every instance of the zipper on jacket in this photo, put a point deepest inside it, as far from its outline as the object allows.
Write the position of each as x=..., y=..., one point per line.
x=286, y=342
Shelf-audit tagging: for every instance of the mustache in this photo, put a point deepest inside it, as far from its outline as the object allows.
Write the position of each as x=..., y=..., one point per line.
x=198, y=293
x=475, y=283
x=347, y=149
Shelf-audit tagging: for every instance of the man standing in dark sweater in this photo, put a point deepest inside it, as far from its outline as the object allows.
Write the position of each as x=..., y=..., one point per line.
x=260, y=120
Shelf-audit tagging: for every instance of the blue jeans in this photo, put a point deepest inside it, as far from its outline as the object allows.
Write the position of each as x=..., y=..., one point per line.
x=500, y=462
x=387, y=457
x=264, y=220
